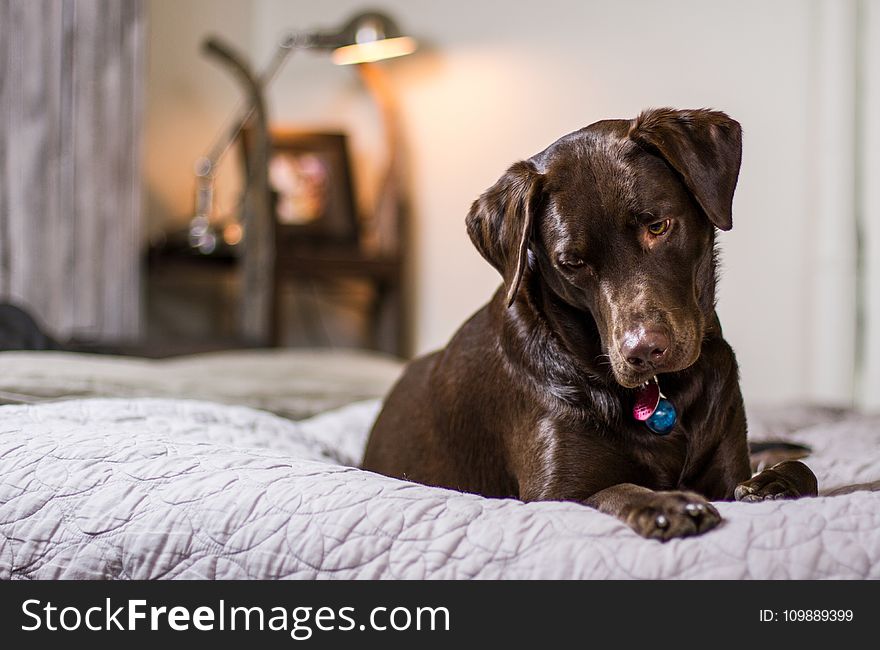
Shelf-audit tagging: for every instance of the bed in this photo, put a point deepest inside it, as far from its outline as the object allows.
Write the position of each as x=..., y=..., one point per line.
x=243, y=465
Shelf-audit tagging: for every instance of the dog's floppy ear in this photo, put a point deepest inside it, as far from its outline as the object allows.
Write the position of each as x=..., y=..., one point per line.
x=500, y=222
x=704, y=147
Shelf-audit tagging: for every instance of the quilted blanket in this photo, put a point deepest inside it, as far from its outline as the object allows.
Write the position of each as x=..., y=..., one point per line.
x=295, y=383
x=160, y=488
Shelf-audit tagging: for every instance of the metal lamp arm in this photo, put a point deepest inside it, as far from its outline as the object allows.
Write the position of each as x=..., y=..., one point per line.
x=255, y=87
x=258, y=258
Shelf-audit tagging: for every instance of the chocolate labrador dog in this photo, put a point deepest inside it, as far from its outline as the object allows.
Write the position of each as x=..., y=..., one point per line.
x=598, y=372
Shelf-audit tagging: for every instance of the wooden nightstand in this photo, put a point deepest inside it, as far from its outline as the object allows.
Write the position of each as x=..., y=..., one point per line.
x=386, y=315
x=194, y=300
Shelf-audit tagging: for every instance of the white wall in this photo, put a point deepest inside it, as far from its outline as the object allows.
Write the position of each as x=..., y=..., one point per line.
x=869, y=203
x=498, y=81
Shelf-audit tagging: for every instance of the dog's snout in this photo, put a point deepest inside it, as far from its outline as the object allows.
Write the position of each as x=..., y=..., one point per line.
x=645, y=347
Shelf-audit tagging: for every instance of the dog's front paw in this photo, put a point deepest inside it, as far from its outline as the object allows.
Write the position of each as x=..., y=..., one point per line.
x=665, y=515
x=787, y=480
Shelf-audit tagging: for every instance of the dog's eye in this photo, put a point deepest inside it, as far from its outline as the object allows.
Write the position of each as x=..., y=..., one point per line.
x=659, y=228
x=570, y=261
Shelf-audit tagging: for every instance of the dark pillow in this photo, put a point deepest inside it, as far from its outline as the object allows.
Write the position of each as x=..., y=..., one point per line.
x=19, y=331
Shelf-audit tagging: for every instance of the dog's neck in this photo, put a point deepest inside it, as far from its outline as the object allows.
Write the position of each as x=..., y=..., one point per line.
x=571, y=331
x=560, y=349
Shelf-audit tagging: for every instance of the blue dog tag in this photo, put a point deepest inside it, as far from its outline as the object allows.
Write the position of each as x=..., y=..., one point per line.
x=663, y=418
x=652, y=408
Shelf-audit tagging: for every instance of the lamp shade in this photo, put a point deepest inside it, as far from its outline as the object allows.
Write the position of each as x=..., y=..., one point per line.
x=371, y=36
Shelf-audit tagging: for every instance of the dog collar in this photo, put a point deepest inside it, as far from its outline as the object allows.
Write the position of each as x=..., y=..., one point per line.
x=652, y=408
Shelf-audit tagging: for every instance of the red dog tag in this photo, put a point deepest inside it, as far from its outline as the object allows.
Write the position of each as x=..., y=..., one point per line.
x=647, y=399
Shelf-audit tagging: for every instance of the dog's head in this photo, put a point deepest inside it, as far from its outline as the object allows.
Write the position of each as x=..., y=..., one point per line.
x=618, y=220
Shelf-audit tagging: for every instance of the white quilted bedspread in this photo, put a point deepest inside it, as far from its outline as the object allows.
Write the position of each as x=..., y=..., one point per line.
x=159, y=488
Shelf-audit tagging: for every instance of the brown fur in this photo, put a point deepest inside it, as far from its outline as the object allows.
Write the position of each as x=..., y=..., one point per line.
x=531, y=398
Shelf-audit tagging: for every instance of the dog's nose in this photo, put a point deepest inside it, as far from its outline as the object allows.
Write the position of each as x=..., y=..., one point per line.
x=645, y=347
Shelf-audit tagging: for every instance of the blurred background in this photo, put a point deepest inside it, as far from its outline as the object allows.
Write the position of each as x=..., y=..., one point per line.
x=110, y=239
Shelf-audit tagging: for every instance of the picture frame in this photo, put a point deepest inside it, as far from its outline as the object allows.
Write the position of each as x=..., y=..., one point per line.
x=312, y=189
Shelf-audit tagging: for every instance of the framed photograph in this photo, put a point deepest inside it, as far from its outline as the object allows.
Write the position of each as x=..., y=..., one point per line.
x=311, y=182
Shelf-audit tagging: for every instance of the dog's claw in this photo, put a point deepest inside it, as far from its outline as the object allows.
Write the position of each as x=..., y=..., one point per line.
x=786, y=480
x=668, y=515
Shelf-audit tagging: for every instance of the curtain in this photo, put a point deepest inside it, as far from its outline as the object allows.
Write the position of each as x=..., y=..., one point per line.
x=71, y=95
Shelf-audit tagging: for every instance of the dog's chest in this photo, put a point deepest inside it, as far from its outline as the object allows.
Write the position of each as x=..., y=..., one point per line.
x=662, y=459
x=627, y=453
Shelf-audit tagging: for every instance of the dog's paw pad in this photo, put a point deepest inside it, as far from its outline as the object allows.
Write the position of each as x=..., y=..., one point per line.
x=787, y=480
x=765, y=487
x=666, y=515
